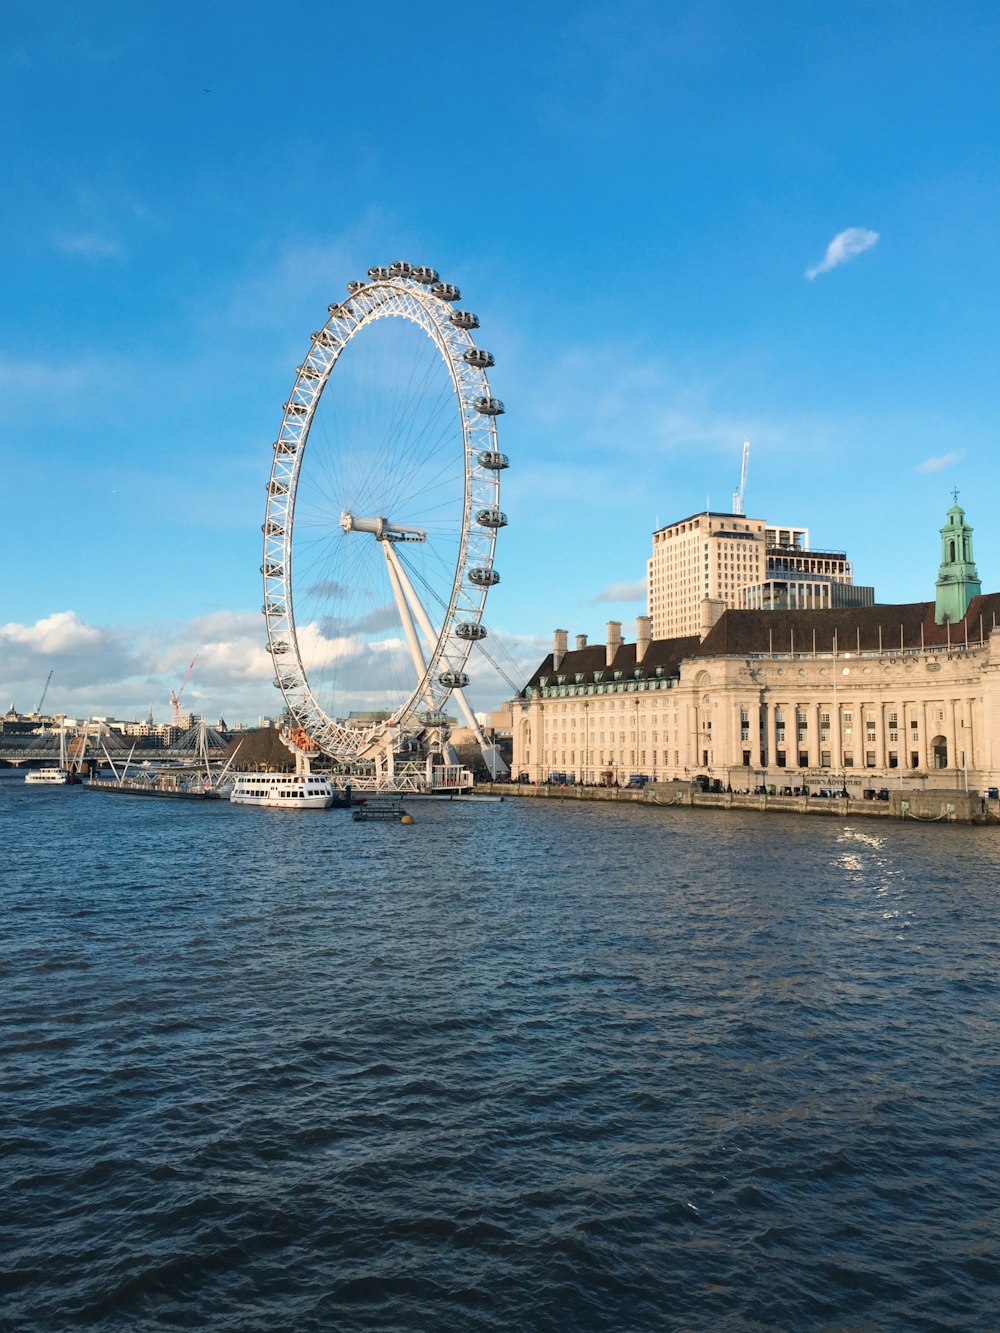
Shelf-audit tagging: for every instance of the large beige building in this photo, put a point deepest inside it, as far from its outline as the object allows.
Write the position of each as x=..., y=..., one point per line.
x=859, y=697
x=708, y=562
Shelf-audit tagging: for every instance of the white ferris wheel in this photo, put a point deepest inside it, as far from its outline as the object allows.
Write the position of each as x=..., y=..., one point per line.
x=383, y=507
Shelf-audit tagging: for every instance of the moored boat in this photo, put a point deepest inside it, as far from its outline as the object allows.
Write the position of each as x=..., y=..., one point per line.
x=287, y=791
x=381, y=809
x=183, y=786
x=48, y=776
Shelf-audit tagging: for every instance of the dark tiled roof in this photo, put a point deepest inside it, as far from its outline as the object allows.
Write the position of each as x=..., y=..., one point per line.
x=667, y=654
x=738, y=633
x=908, y=625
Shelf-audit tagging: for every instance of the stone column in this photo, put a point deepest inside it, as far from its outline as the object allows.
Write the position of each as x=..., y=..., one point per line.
x=837, y=738
x=951, y=729
x=925, y=739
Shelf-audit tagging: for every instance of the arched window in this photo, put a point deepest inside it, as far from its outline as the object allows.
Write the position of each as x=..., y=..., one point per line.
x=939, y=749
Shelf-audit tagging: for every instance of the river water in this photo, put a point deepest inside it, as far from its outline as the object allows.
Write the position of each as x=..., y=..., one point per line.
x=528, y=1066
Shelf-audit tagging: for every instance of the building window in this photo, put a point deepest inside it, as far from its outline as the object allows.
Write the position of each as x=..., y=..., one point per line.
x=803, y=759
x=893, y=759
x=824, y=759
x=869, y=759
x=914, y=759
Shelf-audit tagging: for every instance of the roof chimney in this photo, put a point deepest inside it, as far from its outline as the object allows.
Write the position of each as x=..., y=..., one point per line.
x=642, y=637
x=559, y=648
x=712, y=609
x=614, y=639
x=581, y=641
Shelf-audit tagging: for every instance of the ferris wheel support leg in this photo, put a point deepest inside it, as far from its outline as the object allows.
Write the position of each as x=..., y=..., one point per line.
x=423, y=619
x=491, y=755
x=396, y=578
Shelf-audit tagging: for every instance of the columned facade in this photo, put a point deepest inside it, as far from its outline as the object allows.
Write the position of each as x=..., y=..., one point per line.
x=914, y=716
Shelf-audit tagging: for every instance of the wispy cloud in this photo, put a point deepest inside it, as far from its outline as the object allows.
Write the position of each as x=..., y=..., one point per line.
x=844, y=246
x=939, y=462
x=90, y=246
x=620, y=592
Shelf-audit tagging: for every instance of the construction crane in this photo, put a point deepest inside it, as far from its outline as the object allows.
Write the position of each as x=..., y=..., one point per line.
x=175, y=695
x=738, y=495
x=44, y=693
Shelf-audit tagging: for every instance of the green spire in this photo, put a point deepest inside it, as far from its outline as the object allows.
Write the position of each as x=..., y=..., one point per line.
x=957, y=581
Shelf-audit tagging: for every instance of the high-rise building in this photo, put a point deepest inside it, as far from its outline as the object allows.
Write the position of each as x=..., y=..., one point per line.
x=704, y=558
x=708, y=562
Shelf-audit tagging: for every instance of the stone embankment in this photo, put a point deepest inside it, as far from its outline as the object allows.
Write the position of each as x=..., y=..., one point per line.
x=932, y=806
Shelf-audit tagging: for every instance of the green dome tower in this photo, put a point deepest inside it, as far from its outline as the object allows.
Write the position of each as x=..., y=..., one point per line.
x=957, y=581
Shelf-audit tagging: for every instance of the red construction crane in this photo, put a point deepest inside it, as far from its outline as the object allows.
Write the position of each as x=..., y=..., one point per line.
x=175, y=695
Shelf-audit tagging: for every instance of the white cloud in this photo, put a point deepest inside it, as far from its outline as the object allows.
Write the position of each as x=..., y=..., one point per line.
x=62, y=632
x=123, y=672
x=621, y=592
x=936, y=464
x=844, y=246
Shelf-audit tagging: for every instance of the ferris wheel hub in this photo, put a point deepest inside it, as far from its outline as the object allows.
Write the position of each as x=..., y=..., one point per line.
x=381, y=528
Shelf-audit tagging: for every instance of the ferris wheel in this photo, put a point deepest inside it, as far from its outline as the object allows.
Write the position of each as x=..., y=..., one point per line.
x=383, y=508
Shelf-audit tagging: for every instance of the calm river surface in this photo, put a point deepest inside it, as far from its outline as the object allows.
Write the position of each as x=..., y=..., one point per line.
x=537, y=1065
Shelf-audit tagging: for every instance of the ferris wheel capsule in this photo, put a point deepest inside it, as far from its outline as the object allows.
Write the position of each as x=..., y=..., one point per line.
x=454, y=680
x=494, y=459
x=464, y=319
x=491, y=518
x=475, y=356
x=484, y=578
x=421, y=273
x=445, y=291
x=489, y=407
x=470, y=630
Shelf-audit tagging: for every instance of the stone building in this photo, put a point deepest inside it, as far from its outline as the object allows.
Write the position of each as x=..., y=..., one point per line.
x=855, y=698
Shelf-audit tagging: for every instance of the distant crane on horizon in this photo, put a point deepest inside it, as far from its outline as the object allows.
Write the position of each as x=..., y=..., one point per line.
x=175, y=695
x=738, y=495
x=48, y=682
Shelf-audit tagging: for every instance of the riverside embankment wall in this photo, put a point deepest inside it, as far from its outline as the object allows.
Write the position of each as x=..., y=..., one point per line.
x=944, y=806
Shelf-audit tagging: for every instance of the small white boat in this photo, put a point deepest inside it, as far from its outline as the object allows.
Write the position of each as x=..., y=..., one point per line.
x=284, y=791
x=60, y=774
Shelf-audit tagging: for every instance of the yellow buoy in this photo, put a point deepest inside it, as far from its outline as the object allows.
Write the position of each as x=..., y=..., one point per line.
x=407, y=819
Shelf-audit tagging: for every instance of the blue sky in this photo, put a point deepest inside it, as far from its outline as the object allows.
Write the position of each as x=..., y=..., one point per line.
x=630, y=196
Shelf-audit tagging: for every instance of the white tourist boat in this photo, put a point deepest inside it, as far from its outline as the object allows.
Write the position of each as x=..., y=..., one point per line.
x=49, y=776
x=60, y=774
x=285, y=791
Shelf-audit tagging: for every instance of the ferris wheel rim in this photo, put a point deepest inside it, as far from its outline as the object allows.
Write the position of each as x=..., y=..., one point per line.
x=388, y=295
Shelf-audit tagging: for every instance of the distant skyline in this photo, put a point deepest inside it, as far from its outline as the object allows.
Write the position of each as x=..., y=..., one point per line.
x=681, y=227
